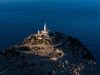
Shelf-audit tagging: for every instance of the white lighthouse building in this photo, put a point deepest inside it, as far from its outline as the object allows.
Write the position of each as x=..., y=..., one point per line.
x=45, y=30
x=44, y=34
x=45, y=27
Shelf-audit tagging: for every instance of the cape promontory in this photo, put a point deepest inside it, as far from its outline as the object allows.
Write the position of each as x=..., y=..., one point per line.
x=47, y=53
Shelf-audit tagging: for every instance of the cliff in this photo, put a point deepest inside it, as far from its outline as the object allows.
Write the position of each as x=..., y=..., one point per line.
x=48, y=53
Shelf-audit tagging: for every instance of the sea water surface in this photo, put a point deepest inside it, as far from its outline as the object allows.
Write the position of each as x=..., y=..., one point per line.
x=78, y=19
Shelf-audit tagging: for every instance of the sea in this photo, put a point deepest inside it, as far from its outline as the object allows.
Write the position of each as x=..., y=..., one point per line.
x=79, y=19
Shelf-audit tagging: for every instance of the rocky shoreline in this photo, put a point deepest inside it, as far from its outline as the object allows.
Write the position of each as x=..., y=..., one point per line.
x=48, y=53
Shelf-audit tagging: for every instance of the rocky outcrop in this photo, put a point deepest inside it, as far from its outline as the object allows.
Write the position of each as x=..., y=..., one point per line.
x=48, y=53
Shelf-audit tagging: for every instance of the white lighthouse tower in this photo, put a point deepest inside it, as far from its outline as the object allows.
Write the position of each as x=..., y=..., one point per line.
x=45, y=30
x=45, y=27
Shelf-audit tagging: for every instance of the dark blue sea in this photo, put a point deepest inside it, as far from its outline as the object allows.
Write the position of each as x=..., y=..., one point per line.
x=80, y=19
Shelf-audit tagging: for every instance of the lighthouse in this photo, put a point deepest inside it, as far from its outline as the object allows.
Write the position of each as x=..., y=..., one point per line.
x=45, y=30
x=45, y=27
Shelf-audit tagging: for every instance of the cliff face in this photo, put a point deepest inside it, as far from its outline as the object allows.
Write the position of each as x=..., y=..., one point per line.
x=48, y=53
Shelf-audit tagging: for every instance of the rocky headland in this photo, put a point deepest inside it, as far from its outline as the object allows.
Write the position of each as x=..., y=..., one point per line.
x=48, y=53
